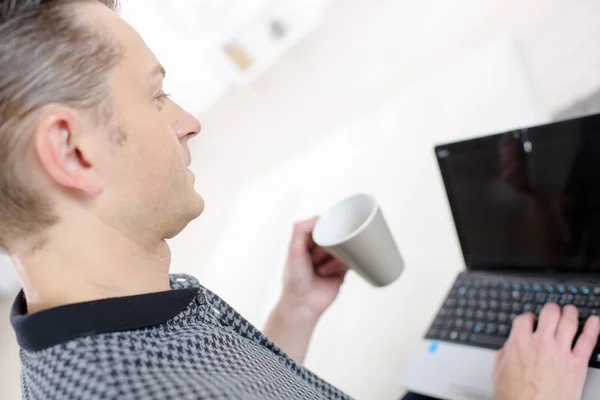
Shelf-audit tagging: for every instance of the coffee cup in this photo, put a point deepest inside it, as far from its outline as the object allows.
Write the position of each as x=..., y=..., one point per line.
x=356, y=232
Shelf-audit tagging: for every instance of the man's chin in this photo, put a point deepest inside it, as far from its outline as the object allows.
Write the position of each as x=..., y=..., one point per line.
x=193, y=210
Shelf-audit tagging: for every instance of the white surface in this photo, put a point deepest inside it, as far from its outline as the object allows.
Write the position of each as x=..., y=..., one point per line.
x=363, y=341
x=453, y=371
x=9, y=282
x=189, y=38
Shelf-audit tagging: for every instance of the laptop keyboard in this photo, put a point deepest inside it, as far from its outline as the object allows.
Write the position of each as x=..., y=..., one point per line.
x=479, y=312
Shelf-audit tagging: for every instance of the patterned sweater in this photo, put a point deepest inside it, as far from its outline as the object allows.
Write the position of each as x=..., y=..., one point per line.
x=185, y=343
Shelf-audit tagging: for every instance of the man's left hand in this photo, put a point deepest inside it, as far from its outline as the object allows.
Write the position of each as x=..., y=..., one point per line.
x=312, y=277
x=312, y=281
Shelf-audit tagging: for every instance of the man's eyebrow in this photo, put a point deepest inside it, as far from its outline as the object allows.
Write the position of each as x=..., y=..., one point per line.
x=159, y=70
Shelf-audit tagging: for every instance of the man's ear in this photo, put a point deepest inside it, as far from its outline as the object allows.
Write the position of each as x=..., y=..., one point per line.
x=57, y=140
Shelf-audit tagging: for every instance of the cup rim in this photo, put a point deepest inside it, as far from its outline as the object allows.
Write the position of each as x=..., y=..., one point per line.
x=358, y=230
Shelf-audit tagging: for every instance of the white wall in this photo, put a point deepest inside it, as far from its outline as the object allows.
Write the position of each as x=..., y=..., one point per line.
x=362, y=342
x=364, y=52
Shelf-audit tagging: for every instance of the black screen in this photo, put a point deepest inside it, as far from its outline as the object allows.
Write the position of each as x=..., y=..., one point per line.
x=528, y=198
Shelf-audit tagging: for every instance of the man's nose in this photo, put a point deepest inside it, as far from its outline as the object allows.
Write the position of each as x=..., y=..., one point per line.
x=187, y=126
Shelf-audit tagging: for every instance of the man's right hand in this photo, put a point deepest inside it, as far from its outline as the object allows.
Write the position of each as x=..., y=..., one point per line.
x=542, y=365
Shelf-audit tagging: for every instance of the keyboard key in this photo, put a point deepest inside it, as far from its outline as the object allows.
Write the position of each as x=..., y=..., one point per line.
x=537, y=288
x=459, y=312
x=502, y=317
x=495, y=342
x=479, y=327
x=469, y=325
x=584, y=313
x=462, y=302
x=580, y=301
x=527, y=287
x=528, y=308
x=561, y=289
x=516, y=295
x=513, y=316
x=462, y=291
x=541, y=298
x=453, y=335
x=479, y=314
x=446, y=313
x=491, y=316
x=469, y=313
x=529, y=298
x=505, y=306
x=517, y=307
x=463, y=336
x=483, y=305
x=549, y=288
x=503, y=330
x=593, y=302
x=433, y=333
x=472, y=303
x=553, y=298
x=585, y=290
x=573, y=290
x=597, y=291
x=490, y=329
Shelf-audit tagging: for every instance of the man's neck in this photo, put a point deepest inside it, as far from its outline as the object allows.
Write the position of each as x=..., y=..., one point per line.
x=102, y=263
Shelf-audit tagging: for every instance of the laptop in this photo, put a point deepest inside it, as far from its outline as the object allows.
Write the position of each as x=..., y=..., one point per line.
x=526, y=207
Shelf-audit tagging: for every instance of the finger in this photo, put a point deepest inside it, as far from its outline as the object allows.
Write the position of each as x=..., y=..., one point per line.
x=548, y=322
x=334, y=267
x=310, y=243
x=588, y=339
x=302, y=231
x=522, y=326
x=567, y=327
x=320, y=256
x=499, y=358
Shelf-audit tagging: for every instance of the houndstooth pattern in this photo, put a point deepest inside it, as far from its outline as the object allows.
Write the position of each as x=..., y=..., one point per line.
x=205, y=352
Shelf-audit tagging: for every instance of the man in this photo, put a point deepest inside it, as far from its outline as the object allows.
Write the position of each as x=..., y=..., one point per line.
x=93, y=179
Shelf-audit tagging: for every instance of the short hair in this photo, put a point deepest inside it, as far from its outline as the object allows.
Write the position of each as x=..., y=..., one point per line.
x=48, y=55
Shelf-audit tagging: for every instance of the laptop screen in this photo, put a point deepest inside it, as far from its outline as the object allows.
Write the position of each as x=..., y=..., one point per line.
x=528, y=198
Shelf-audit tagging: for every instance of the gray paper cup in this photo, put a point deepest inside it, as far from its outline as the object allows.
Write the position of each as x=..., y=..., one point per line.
x=355, y=231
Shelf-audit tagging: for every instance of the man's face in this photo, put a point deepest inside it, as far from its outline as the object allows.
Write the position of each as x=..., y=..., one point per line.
x=147, y=186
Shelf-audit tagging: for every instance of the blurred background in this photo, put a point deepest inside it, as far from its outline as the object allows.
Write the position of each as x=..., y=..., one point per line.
x=303, y=103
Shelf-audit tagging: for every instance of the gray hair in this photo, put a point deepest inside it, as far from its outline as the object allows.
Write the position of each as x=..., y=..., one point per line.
x=47, y=56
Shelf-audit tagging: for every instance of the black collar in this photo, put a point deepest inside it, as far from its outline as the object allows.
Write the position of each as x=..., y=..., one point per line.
x=47, y=328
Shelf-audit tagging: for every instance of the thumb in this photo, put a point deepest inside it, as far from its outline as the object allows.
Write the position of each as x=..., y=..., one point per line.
x=302, y=229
